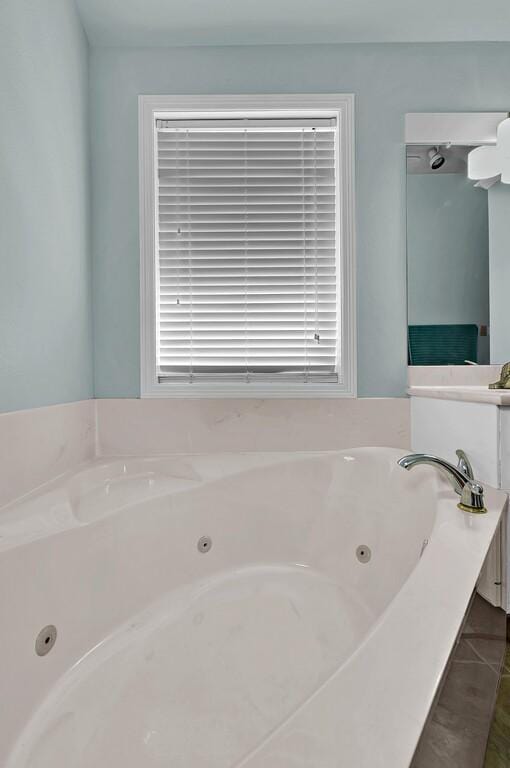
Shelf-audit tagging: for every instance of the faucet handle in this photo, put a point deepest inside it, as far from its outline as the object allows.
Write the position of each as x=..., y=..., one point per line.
x=464, y=464
x=472, y=499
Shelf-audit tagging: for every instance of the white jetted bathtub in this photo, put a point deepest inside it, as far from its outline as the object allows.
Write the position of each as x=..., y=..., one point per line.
x=215, y=611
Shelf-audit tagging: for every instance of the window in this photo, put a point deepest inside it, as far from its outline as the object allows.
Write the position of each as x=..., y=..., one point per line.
x=247, y=284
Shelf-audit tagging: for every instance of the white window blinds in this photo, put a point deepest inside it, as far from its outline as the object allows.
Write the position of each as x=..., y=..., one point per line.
x=246, y=250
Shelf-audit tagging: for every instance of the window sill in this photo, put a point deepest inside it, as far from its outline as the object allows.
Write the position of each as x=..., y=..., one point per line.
x=257, y=391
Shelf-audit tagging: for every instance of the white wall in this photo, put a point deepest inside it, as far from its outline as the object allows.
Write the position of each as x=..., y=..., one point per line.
x=45, y=255
x=388, y=81
x=499, y=233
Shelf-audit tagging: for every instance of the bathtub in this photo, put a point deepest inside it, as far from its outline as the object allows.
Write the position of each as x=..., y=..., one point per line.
x=218, y=611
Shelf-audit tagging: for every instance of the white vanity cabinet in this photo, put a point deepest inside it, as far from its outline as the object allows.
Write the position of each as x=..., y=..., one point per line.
x=444, y=418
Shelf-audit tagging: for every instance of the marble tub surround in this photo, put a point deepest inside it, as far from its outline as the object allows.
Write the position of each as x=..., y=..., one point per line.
x=39, y=444
x=452, y=375
x=158, y=426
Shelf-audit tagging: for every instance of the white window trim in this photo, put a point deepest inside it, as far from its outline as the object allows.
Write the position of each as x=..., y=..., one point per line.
x=340, y=106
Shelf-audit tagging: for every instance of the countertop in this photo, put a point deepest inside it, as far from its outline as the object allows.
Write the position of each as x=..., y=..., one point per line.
x=470, y=394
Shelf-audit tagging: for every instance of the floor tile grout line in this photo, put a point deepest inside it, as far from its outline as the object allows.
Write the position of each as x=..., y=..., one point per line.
x=477, y=653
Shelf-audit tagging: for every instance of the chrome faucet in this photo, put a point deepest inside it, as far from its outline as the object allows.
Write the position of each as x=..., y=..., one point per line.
x=460, y=478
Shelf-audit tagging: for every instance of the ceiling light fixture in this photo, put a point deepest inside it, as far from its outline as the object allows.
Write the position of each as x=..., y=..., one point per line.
x=436, y=159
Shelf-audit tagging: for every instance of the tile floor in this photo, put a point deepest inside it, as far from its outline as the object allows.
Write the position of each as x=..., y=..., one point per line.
x=458, y=728
x=498, y=747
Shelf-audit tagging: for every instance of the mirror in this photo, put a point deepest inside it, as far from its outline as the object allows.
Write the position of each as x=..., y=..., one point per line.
x=447, y=258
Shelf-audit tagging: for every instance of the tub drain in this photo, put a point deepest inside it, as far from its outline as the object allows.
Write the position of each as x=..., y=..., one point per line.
x=45, y=640
x=363, y=553
x=204, y=544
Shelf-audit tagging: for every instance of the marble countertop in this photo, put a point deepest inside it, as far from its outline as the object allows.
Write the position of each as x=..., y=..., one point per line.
x=470, y=394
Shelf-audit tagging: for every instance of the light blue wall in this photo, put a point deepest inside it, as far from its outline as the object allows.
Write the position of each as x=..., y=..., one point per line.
x=45, y=264
x=447, y=252
x=388, y=80
x=499, y=238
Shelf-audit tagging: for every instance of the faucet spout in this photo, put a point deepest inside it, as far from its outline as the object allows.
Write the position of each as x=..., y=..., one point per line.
x=470, y=492
x=456, y=478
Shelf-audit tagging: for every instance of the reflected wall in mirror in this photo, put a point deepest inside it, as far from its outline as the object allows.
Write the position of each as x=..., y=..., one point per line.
x=447, y=258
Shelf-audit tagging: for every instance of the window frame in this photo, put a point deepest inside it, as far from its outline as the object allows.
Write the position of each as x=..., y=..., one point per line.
x=340, y=106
